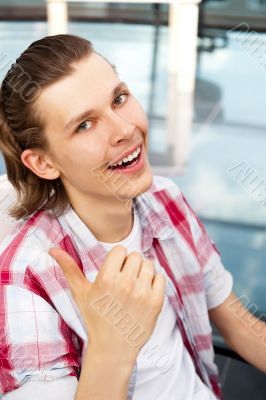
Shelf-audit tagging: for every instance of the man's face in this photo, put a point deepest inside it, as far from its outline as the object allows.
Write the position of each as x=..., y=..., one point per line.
x=82, y=149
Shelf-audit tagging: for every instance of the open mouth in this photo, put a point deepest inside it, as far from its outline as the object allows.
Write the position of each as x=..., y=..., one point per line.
x=128, y=161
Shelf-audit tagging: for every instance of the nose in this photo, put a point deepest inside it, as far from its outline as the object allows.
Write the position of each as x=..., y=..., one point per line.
x=119, y=128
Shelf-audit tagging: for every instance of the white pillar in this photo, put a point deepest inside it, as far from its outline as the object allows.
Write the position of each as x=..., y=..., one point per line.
x=182, y=57
x=57, y=16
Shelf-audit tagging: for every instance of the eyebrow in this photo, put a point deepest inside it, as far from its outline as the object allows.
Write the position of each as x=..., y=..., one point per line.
x=87, y=113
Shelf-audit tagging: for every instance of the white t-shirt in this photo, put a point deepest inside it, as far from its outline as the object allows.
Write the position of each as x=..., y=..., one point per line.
x=165, y=370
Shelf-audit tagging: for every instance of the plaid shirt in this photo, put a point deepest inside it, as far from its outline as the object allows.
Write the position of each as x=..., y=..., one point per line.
x=42, y=332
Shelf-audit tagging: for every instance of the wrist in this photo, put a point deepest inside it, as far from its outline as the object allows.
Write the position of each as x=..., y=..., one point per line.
x=102, y=377
x=106, y=359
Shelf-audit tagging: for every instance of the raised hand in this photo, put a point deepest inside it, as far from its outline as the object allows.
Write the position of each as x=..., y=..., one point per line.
x=121, y=307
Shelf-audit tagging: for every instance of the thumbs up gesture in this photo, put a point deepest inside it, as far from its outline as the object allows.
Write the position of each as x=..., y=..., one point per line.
x=121, y=307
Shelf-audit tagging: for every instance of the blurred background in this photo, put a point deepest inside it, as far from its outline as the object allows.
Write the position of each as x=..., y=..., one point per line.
x=199, y=71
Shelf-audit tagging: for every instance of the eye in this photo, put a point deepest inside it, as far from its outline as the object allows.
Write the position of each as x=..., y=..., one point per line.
x=83, y=127
x=119, y=97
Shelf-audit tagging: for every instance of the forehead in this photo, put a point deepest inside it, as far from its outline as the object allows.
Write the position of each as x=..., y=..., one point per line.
x=91, y=83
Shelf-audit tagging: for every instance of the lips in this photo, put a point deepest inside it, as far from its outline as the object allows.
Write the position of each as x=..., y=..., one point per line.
x=125, y=154
x=133, y=167
x=127, y=164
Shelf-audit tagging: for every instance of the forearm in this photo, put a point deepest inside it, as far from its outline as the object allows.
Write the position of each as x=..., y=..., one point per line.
x=241, y=330
x=102, y=379
x=250, y=342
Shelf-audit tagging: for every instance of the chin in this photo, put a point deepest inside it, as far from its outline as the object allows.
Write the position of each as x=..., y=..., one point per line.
x=146, y=183
x=141, y=185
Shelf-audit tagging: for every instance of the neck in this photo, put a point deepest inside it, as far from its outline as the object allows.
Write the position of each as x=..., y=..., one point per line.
x=109, y=223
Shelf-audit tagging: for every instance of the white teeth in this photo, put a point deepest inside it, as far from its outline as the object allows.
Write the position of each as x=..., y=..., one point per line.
x=130, y=157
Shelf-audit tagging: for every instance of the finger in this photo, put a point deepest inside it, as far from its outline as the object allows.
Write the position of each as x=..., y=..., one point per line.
x=147, y=272
x=159, y=285
x=114, y=261
x=71, y=270
x=132, y=265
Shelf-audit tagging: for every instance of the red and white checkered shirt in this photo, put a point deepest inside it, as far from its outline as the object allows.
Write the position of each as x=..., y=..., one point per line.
x=42, y=332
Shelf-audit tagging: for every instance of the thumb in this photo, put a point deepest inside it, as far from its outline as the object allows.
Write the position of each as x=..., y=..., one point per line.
x=71, y=270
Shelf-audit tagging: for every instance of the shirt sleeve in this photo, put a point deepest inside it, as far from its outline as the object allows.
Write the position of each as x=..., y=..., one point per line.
x=35, y=341
x=61, y=388
x=218, y=280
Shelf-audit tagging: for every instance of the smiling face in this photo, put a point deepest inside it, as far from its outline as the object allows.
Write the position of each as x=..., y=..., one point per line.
x=92, y=121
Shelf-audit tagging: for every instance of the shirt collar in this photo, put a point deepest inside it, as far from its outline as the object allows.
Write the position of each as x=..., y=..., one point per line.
x=154, y=220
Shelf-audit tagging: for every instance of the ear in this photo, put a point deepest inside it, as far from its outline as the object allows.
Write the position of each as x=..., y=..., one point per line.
x=40, y=164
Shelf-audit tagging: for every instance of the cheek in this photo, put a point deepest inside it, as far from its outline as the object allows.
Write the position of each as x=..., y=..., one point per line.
x=78, y=154
x=142, y=120
x=137, y=115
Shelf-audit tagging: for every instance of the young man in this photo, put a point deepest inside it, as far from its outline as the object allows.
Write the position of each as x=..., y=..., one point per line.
x=144, y=278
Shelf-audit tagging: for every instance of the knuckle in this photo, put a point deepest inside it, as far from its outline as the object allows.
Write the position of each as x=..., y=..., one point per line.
x=105, y=281
x=149, y=271
x=135, y=255
x=149, y=265
x=120, y=249
x=141, y=295
x=158, y=302
x=125, y=286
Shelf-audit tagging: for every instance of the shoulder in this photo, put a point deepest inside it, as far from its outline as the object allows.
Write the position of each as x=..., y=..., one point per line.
x=40, y=228
x=27, y=245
